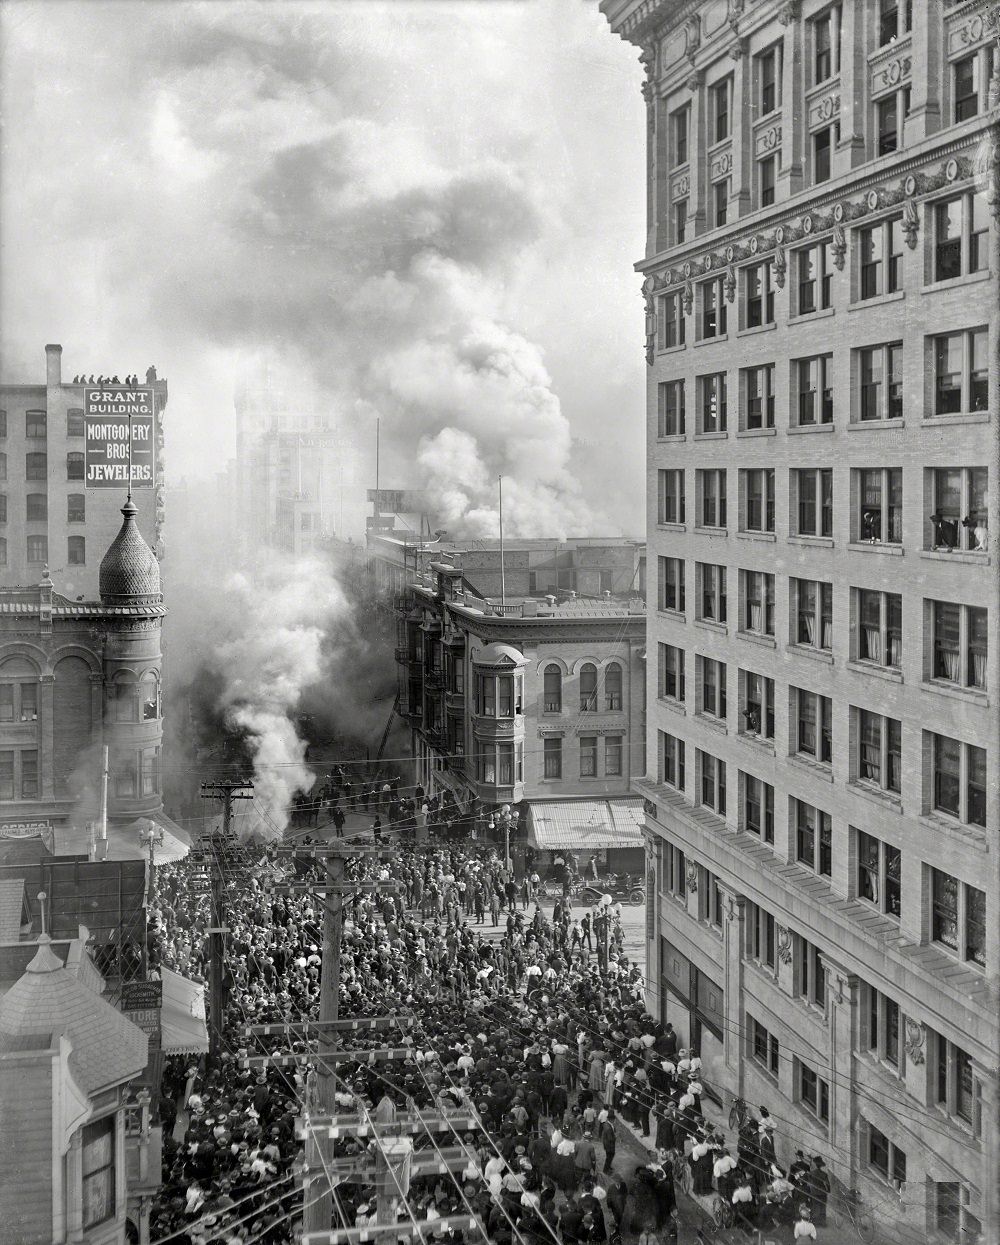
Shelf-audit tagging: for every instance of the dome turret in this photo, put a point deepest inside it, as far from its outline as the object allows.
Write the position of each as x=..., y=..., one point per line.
x=130, y=574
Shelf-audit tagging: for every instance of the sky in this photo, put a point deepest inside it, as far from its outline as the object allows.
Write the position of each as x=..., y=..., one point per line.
x=427, y=211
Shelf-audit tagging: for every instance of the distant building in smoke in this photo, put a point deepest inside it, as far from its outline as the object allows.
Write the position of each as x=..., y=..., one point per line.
x=75, y=676
x=50, y=515
x=297, y=477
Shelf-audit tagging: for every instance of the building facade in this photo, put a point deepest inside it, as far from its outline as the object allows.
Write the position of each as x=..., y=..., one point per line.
x=48, y=515
x=823, y=799
x=530, y=703
x=75, y=676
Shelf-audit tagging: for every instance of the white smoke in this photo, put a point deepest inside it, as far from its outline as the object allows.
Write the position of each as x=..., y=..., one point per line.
x=273, y=654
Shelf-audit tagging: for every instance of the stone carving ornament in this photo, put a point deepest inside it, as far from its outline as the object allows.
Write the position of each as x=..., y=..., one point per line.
x=691, y=876
x=780, y=267
x=838, y=246
x=784, y=945
x=914, y=1041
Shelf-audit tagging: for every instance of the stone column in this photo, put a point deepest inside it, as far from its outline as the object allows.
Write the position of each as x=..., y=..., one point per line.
x=842, y=990
x=740, y=198
x=853, y=50
x=793, y=119
x=734, y=913
x=697, y=160
x=661, y=172
x=925, y=48
x=46, y=739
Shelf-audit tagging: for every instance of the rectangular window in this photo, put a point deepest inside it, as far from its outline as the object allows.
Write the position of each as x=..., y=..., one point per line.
x=879, y=874
x=967, y=74
x=812, y=602
x=714, y=311
x=954, y=1085
x=98, y=1153
x=757, y=707
x=672, y=585
x=760, y=935
x=959, y=515
x=37, y=507
x=720, y=195
x=758, y=384
x=711, y=498
x=150, y=769
x=588, y=756
x=813, y=838
x=879, y=627
x=670, y=408
x=3, y=507
x=680, y=221
x=814, y=265
x=961, y=375
x=712, y=410
x=713, y=782
x=612, y=756
x=74, y=422
x=6, y=776
x=767, y=179
x=758, y=602
x=29, y=775
x=881, y=1027
x=672, y=751
x=810, y=972
x=881, y=258
x=671, y=496
x=29, y=702
x=767, y=71
x=823, y=141
x=961, y=236
x=552, y=753
x=894, y=20
x=74, y=466
x=671, y=672
x=952, y=1218
x=764, y=1048
x=721, y=102
x=959, y=644
x=814, y=377
x=812, y=1092
x=670, y=325
x=712, y=688
x=36, y=466
x=959, y=780
x=76, y=508
x=958, y=916
x=711, y=592
x=679, y=134
x=812, y=510
x=813, y=718
x=880, y=373
x=826, y=44
x=34, y=424
x=38, y=549
x=877, y=748
x=887, y=125
x=76, y=551
x=759, y=288
x=878, y=517
x=885, y=1158
x=758, y=499
x=758, y=808
x=674, y=871
x=7, y=698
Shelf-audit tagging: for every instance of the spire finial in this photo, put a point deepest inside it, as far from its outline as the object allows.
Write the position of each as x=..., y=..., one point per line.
x=42, y=899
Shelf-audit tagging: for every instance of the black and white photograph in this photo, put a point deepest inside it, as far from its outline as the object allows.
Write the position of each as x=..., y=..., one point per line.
x=499, y=627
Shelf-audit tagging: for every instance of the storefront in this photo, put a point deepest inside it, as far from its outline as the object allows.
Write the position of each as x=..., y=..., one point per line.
x=610, y=830
x=692, y=1002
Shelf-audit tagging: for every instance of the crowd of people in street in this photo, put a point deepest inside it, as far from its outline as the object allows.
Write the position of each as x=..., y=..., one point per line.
x=525, y=1027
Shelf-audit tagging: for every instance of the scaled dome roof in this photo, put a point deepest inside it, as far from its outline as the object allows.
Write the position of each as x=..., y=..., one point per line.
x=129, y=570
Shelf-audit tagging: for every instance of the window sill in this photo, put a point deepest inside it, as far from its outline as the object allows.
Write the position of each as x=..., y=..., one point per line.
x=672, y=527
x=953, y=283
x=664, y=350
x=969, y=695
x=975, y=836
x=757, y=328
x=820, y=314
x=677, y=615
x=960, y=417
x=670, y=437
x=712, y=341
x=756, y=536
x=754, y=637
x=755, y=741
x=869, y=425
x=710, y=436
x=713, y=724
x=796, y=429
x=675, y=706
x=868, y=668
x=706, y=624
x=711, y=531
x=875, y=546
x=880, y=300
x=815, y=542
x=955, y=555
x=807, y=650
x=818, y=769
x=885, y=799
x=757, y=432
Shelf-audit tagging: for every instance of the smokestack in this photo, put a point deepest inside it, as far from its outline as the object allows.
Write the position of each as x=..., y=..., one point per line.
x=53, y=365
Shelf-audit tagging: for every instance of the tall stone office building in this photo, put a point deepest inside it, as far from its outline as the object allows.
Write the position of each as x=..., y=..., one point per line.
x=823, y=803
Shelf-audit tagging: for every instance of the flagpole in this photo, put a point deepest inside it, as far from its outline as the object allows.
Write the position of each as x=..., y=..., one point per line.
x=503, y=581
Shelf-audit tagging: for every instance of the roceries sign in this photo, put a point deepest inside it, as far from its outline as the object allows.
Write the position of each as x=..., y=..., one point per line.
x=115, y=413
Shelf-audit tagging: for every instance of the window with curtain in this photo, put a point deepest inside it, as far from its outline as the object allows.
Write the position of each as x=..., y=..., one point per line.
x=613, y=686
x=552, y=689
x=98, y=1159
x=588, y=688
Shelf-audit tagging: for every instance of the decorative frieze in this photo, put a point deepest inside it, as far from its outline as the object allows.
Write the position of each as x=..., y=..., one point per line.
x=767, y=140
x=720, y=164
x=891, y=75
x=824, y=110
x=967, y=34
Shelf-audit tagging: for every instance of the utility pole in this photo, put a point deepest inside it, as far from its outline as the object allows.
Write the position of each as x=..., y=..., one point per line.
x=218, y=846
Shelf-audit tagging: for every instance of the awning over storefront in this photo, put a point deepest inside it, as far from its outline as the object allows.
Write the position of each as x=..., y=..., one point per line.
x=182, y=1019
x=585, y=825
x=126, y=842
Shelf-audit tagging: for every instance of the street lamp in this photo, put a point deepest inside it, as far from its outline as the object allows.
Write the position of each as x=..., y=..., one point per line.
x=504, y=818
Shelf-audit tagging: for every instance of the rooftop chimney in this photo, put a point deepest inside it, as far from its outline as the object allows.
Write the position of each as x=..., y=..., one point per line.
x=53, y=365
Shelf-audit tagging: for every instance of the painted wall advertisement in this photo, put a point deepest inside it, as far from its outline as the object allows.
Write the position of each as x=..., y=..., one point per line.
x=115, y=416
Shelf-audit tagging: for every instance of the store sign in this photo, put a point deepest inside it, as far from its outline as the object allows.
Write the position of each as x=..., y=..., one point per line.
x=23, y=829
x=139, y=995
x=119, y=428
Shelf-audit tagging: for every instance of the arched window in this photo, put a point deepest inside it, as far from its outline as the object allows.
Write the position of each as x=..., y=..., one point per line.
x=588, y=688
x=553, y=689
x=613, y=686
x=18, y=691
x=149, y=695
